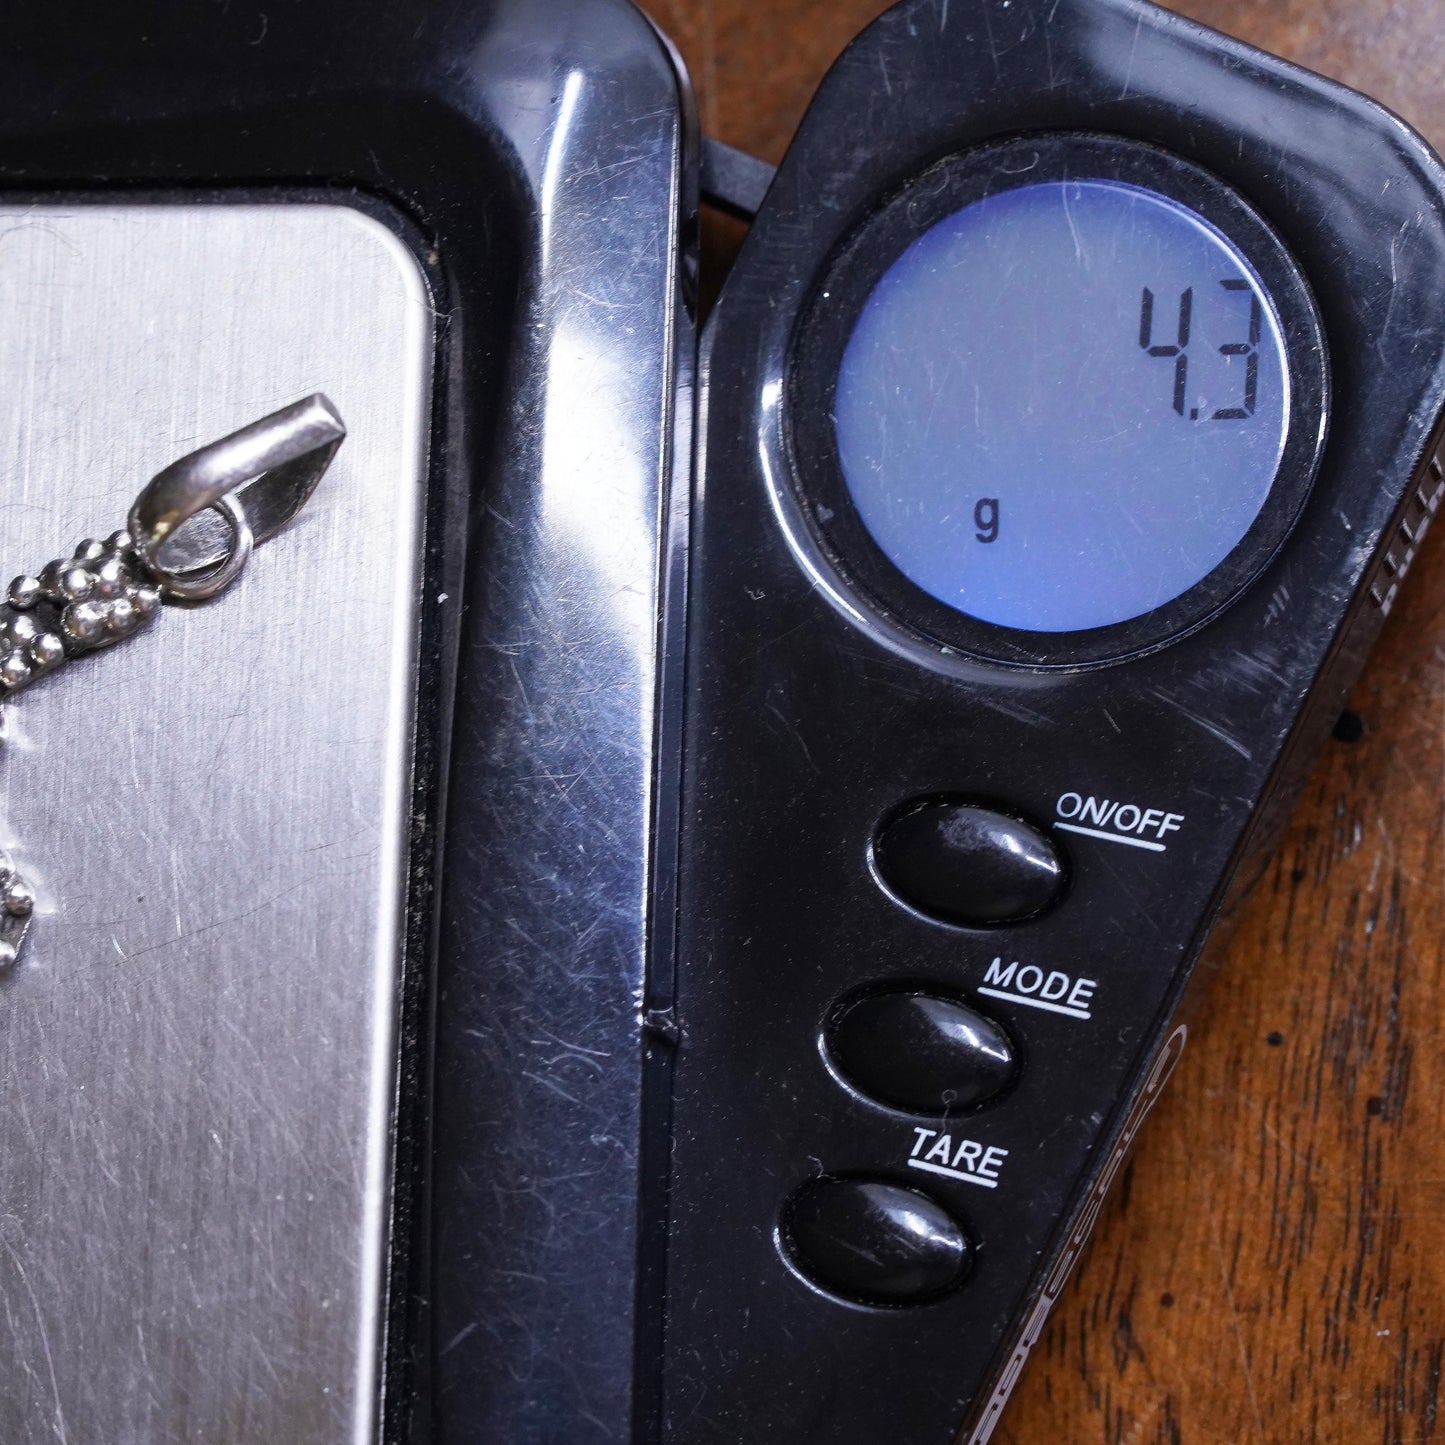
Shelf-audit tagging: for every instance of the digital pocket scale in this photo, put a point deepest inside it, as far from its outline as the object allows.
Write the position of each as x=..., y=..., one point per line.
x=1070, y=417
x=658, y=907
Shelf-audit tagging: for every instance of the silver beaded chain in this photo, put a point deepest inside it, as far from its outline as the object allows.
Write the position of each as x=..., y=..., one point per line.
x=256, y=479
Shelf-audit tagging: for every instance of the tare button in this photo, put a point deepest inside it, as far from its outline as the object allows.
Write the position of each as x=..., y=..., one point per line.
x=873, y=1241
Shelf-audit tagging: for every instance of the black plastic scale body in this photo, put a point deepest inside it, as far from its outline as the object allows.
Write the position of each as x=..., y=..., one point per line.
x=820, y=703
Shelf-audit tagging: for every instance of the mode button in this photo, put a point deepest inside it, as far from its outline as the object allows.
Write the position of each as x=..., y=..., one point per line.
x=916, y=1051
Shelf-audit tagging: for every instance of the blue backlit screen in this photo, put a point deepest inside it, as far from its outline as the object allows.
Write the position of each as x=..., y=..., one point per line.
x=1063, y=406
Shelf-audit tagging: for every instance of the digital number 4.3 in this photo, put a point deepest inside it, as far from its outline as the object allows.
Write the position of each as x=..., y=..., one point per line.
x=1179, y=351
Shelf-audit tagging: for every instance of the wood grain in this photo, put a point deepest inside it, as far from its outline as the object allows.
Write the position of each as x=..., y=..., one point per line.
x=1271, y=1266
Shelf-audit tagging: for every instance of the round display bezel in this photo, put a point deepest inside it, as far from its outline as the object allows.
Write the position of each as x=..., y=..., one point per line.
x=843, y=289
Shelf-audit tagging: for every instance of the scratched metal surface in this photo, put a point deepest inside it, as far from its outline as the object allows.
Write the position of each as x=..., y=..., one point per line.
x=538, y=1121
x=196, y=1056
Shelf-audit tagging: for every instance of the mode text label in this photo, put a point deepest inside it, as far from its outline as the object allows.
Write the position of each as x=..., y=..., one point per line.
x=1052, y=989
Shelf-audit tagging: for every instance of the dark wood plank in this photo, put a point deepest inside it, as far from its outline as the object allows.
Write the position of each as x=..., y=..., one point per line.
x=1270, y=1268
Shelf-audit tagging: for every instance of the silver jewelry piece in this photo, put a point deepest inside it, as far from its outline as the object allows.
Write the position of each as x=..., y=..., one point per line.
x=234, y=494
x=17, y=903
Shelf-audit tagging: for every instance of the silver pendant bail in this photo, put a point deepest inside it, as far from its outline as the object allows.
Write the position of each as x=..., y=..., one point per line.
x=258, y=478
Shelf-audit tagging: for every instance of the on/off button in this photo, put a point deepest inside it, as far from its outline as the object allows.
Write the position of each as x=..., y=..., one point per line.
x=965, y=863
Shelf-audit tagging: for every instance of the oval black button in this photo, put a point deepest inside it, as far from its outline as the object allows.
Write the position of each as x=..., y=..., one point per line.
x=874, y=1242
x=967, y=864
x=920, y=1052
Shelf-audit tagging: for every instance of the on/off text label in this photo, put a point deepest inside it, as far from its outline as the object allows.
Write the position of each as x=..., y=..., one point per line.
x=1116, y=822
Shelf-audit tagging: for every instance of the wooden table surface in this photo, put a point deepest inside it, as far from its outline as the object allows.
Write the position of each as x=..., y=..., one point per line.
x=1271, y=1265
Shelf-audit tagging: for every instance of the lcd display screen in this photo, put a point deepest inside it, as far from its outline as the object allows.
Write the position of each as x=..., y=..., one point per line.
x=1064, y=405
